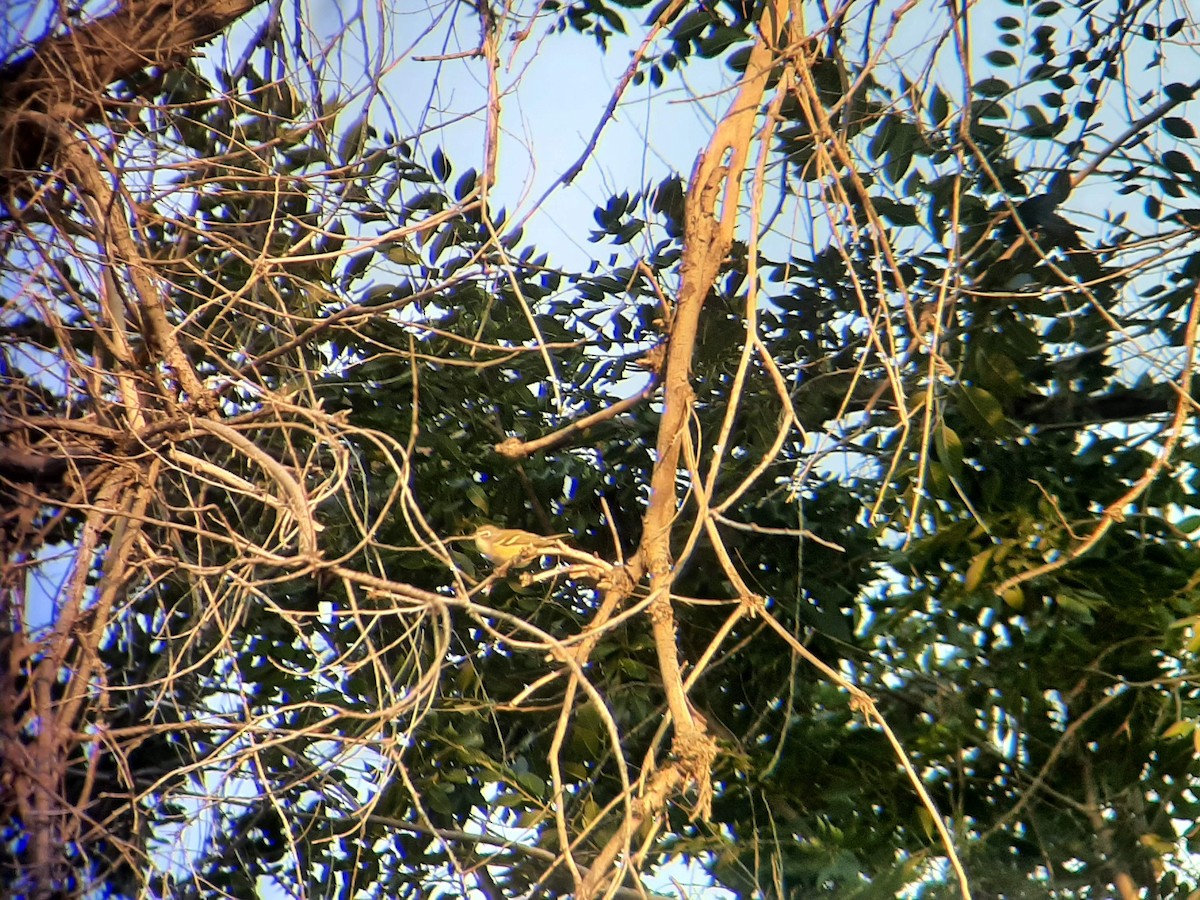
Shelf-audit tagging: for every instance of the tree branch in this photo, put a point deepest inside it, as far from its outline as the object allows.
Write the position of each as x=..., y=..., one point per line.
x=65, y=77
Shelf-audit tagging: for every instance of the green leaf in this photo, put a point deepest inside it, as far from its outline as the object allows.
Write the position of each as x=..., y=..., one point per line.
x=477, y=497
x=379, y=294
x=400, y=252
x=882, y=139
x=1190, y=217
x=465, y=185
x=1079, y=605
x=977, y=568
x=692, y=24
x=629, y=231
x=1189, y=524
x=1177, y=127
x=1181, y=728
x=1038, y=125
x=999, y=374
x=991, y=87
x=1014, y=598
x=440, y=165
x=1177, y=162
x=983, y=410
x=939, y=105
x=353, y=140
x=1178, y=92
x=949, y=448
x=896, y=213
x=357, y=265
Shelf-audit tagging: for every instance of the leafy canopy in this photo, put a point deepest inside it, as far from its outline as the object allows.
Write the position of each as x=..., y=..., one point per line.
x=867, y=438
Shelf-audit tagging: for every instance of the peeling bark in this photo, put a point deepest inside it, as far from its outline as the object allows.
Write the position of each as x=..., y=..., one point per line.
x=65, y=77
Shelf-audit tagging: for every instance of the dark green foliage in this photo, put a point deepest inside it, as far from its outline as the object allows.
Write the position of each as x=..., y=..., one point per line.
x=974, y=391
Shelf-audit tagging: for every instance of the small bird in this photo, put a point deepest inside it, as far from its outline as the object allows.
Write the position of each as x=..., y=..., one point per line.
x=505, y=546
x=1041, y=219
x=1018, y=266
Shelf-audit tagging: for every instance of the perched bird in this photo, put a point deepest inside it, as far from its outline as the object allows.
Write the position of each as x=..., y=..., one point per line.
x=1019, y=264
x=504, y=546
x=1041, y=219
